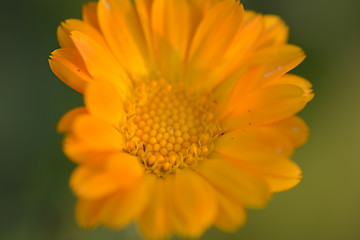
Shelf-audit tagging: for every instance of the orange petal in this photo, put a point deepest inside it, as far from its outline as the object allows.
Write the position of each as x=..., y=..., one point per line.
x=65, y=29
x=262, y=151
x=173, y=27
x=295, y=80
x=254, y=143
x=81, y=152
x=120, y=171
x=214, y=34
x=87, y=212
x=275, y=61
x=122, y=30
x=156, y=221
x=276, y=32
x=194, y=203
x=91, y=183
x=234, y=182
x=266, y=68
x=248, y=36
x=267, y=105
x=97, y=133
x=236, y=55
x=67, y=64
x=245, y=39
x=231, y=214
x=125, y=169
x=101, y=63
x=279, y=173
x=103, y=101
x=124, y=207
x=143, y=8
x=202, y=6
x=89, y=15
x=66, y=121
x=294, y=128
x=229, y=91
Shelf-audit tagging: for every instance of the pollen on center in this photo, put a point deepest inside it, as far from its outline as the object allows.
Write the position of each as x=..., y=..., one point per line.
x=170, y=127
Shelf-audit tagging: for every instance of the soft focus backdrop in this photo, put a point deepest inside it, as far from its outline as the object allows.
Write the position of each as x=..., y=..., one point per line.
x=36, y=202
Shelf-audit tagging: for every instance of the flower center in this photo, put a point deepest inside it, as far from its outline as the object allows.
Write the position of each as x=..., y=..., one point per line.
x=170, y=127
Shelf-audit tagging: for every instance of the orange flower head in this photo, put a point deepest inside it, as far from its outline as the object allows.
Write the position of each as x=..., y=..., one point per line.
x=189, y=113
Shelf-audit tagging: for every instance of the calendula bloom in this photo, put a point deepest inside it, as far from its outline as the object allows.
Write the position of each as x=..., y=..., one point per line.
x=189, y=113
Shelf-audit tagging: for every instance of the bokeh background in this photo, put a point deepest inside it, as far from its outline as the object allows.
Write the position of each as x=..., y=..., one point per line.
x=36, y=202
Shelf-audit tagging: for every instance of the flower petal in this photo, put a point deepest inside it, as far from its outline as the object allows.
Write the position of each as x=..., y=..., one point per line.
x=231, y=214
x=65, y=29
x=294, y=128
x=275, y=61
x=237, y=53
x=120, y=171
x=103, y=101
x=97, y=133
x=262, y=152
x=229, y=92
x=234, y=182
x=295, y=80
x=124, y=207
x=91, y=183
x=253, y=143
x=247, y=37
x=194, y=203
x=122, y=30
x=84, y=153
x=89, y=15
x=276, y=32
x=267, y=105
x=203, y=6
x=67, y=64
x=126, y=169
x=279, y=173
x=173, y=27
x=263, y=70
x=66, y=121
x=87, y=212
x=214, y=34
x=101, y=63
x=156, y=221
x=143, y=8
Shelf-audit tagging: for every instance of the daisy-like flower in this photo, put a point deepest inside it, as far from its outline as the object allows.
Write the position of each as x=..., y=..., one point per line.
x=189, y=113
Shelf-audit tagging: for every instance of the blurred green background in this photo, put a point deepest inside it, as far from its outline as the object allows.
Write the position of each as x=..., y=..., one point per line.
x=36, y=202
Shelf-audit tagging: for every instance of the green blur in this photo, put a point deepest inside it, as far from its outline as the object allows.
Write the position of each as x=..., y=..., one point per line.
x=36, y=202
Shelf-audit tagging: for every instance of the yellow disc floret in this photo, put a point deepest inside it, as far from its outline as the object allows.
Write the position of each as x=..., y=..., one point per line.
x=170, y=128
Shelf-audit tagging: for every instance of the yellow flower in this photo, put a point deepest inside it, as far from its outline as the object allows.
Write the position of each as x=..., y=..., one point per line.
x=188, y=117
